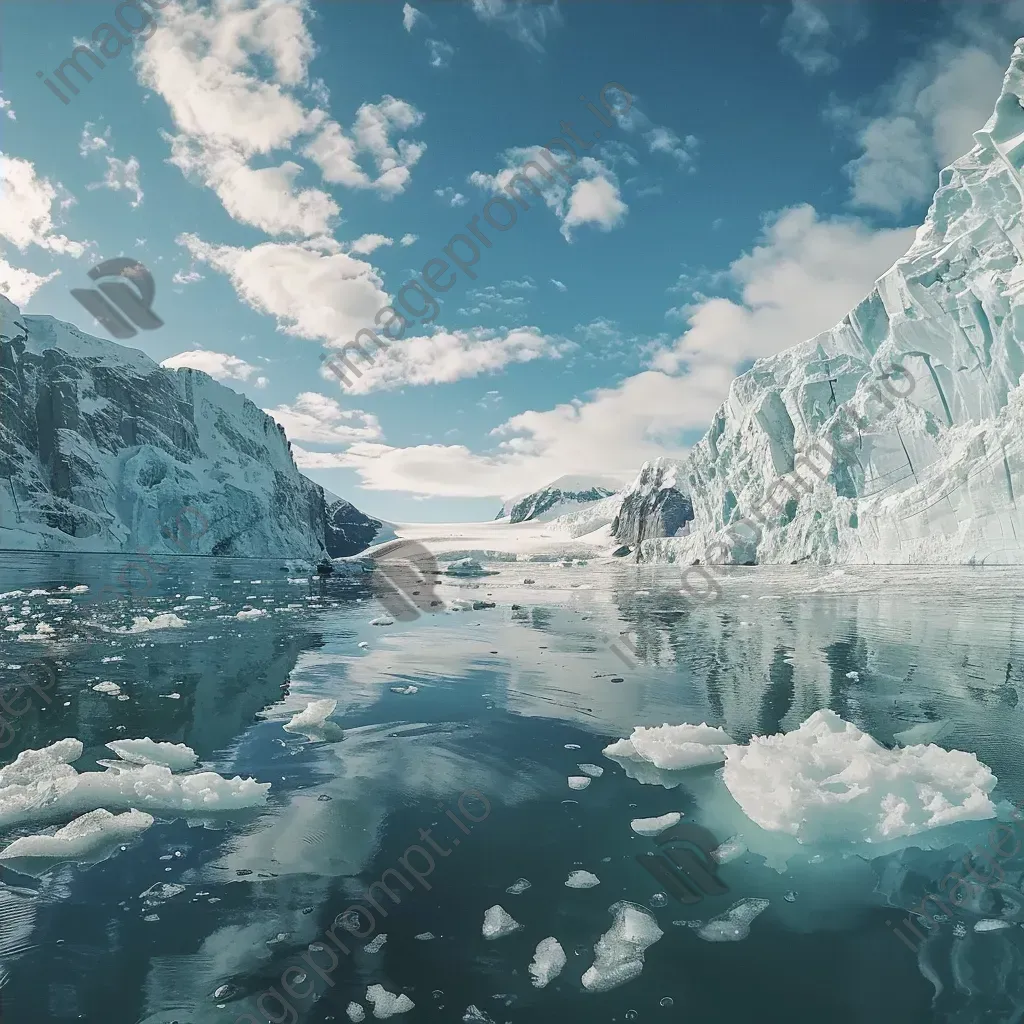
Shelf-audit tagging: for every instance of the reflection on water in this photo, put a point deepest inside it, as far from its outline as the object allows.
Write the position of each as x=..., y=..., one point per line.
x=197, y=920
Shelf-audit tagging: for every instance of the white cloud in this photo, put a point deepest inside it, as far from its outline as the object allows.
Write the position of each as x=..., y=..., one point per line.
x=317, y=418
x=18, y=284
x=366, y=244
x=452, y=197
x=26, y=217
x=659, y=138
x=594, y=201
x=186, y=276
x=410, y=16
x=440, y=52
x=448, y=356
x=5, y=107
x=526, y=20
x=558, y=284
x=120, y=174
x=809, y=34
x=219, y=365
x=408, y=239
x=313, y=290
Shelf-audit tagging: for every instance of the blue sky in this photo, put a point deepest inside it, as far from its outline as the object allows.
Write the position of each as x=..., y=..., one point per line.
x=283, y=167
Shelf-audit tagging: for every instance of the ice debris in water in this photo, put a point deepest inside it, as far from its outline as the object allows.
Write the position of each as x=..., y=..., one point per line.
x=382, y=620
x=82, y=838
x=579, y=781
x=355, y=1012
x=595, y=771
x=247, y=614
x=655, y=826
x=406, y=691
x=175, y=756
x=572, y=746
x=474, y=1015
x=498, y=923
x=313, y=716
x=673, y=747
x=424, y=936
x=582, y=880
x=547, y=963
x=107, y=687
x=518, y=886
x=387, y=1004
x=619, y=953
x=163, y=620
x=376, y=945
x=828, y=781
x=991, y=924
x=729, y=850
x=42, y=784
x=925, y=732
x=734, y=924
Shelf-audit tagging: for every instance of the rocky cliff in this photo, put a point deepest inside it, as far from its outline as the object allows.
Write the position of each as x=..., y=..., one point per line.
x=101, y=449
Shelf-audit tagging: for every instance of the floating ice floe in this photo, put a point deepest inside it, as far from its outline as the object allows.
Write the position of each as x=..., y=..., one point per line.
x=247, y=614
x=474, y=1015
x=518, y=886
x=354, y=1010
x=673, y=747
x=547, y=963
x=498, y=923
x=582, y=880
x=382, y=620
x=595, y=771
x=107, y=687
x=734, y=924
x=405, y=690
x=387, y=1004
x=579, y=781
x=992, y=924
x=619, y=953
x=376, y=945
x=655, y=826
x=175, y=756
x=924, y=732
x=312, y=721
x=828, y=781
x=42, y=785
x=424, y=936
x=92, y=837
x=729, y=850
x=143, y=624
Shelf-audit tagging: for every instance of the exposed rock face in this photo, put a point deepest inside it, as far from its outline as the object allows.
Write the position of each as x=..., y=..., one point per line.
x=348, y=531
x=101, y=449
x=653, y=506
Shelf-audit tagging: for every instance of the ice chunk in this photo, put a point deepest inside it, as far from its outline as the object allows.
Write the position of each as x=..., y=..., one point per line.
x=655, y=826
x=382, y=620
x=619, y=953
x=247, y=614
x=595, y=771
x=474, y=1015
x=107, y=687
x=498, y=923
x=729, y=850
x=424, y=936
x=582, y=880
x=547, y=963
x=828, y=781
x=387, y=1004
x=42, y=784
x=406, y=691
x=579, y=781
x=992, y=924
x=175, y=756
x=518, y=886
x=673, y=747
x=354, y=1010
x=467, y=567
x=143, y=624
x=313, y=717
x=734, y=924
x=85, y=838
x=376, y=945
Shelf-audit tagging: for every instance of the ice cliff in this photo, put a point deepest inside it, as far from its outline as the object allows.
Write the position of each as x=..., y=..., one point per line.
x=930, y=477
x=101, y=449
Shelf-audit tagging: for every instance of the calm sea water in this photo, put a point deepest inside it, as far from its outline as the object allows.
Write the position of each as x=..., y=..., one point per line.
x=197, y=920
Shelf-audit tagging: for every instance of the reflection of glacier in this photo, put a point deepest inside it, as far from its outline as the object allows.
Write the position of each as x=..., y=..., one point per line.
x=933, y=478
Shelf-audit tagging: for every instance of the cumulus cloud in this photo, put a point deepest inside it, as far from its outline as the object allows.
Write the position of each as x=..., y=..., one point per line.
x=317, y=418
x=406, y=240
x=26, y=213
x=18, y=284
x=219, y=365
x=448, y=356
x=409, y=17
x=366, y=244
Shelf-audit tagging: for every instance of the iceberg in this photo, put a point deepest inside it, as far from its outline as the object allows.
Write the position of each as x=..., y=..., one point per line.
x=547, y=962
x=498, y=923
x=619, y=953
x=581, y=880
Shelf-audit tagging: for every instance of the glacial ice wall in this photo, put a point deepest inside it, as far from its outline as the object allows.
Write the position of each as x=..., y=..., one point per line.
x=931, y=477
x=101, y=449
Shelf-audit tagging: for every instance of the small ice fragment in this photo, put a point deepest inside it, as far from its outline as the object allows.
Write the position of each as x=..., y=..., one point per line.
x=572, y=746
x=474, y=1015
x=655, y=826
x=619, y=953
x=382, y=620
x=547, y=963
x=853, y=675
x=991, y=924
x=595, y=771
x=387, y=1004
x=729, y=850
x=164, y=620
x=175, y=756
x=734, y=924
x=405, y=690
x=355, y=1012
x=107, y=687
x=313, y=716
x=790, y=897
x=247, y=614
x=582, y=880
x=518, y=886
x=673, y=747
x=377, y=945
x=80, y=589
x=498, y=923
x=579, y=781
x=424, y=936
x=364, y=645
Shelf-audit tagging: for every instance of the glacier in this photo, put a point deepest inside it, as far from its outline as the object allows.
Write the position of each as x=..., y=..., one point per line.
x=914, y=397
x=102, y=449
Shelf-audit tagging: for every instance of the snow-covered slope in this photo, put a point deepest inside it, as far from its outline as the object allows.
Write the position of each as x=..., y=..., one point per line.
x=937, y=476
x=101, y=449
x=559, y=497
